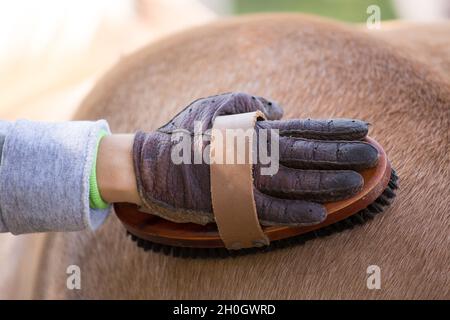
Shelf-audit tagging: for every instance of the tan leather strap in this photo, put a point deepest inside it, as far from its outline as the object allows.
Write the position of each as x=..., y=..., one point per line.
x=232, y=181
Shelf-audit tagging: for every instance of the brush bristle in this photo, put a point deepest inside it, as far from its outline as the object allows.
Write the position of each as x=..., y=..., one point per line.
x=359, y=218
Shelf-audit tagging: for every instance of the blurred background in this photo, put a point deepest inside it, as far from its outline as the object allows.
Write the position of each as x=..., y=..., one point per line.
x=53, y=51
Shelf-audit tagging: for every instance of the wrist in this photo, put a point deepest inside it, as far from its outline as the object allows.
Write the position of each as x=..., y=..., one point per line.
x=116, y=178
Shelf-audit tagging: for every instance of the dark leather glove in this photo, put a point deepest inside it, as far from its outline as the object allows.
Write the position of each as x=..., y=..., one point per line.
x=317, y=163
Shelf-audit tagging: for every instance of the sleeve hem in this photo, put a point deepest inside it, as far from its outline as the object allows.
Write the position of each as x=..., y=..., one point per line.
x=93, y=218
x=44, y=177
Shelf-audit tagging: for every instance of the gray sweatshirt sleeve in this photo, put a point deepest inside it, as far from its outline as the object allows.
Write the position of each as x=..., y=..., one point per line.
x=44, y=176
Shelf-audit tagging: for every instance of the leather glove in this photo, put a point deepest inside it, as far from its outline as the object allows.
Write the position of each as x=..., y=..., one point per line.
x=318, y=159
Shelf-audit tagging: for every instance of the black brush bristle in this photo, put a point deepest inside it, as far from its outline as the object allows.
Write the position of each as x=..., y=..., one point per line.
x=359, y=218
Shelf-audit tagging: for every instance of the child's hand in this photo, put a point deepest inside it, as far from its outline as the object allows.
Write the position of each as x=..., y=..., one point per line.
x=317, y=162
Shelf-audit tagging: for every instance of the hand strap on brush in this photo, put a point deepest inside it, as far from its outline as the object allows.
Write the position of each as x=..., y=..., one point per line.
x=232, y=183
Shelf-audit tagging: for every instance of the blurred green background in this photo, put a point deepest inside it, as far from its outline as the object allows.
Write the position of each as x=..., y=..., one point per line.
x=346, y=10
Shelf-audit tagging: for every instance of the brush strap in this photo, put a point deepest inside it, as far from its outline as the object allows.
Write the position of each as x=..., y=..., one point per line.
x=233, y=203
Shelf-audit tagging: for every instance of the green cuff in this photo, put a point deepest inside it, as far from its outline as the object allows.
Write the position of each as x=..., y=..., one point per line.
x=95, y=199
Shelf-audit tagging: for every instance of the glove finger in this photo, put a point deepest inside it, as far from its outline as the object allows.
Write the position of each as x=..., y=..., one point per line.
x=331, y=129
x=312, y=185
x=316, y=154
x=275, y=211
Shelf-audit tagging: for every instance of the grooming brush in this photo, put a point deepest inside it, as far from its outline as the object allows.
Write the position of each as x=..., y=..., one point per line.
x=188, y=240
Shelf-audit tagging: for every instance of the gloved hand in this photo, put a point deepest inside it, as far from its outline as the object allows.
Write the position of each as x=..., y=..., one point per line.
x=317, y=163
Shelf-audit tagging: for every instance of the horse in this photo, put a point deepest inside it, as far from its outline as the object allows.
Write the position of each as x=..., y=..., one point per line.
x=396, y=78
